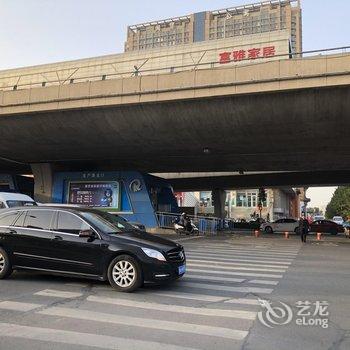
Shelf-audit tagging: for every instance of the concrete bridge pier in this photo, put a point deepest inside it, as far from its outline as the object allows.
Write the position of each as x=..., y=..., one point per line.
x=219, y=199
x=43, y=180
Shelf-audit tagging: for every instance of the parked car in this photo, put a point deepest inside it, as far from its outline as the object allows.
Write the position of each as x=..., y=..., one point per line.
x=326, y=226
x=281, y=225
x=245, y=225
x=318, y=217
x=13, y=199
x=88, y=243
x=338, y=220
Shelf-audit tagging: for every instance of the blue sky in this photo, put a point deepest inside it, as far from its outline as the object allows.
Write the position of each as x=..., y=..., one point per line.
x=42, y=31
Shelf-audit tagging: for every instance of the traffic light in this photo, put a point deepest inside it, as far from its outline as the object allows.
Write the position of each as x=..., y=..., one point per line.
x=262, y=195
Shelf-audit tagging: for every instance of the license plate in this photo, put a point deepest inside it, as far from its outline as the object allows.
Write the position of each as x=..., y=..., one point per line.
x=182, y=269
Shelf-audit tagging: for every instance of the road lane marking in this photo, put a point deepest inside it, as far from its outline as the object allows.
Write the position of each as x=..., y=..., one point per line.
x=234, y=273
x=242, y=252
x=271, y=283
x=233, y=259
x=242, y=256
x=246, y=256
x=18, y=306
x=183, y=327
x=224, y=263
x=205, y=297
x=211, y=278
x=245, y=249
x=58, y=294
x=83, y=339
x=241, y=268
x=189, y=277
x=256, y=290
x=240, y=314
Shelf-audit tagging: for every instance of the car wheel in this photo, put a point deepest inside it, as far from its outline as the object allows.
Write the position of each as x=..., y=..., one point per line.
x=268, y=229
x=124, y=274
x=296, y=230
x=5, y=265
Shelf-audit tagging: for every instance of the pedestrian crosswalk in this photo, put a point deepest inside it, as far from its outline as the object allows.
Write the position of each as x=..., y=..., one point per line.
x=214, y=305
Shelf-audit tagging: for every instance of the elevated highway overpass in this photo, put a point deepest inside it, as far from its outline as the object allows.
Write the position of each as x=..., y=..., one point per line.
x=280, y=115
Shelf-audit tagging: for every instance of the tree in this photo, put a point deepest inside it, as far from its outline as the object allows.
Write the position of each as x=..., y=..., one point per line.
x=340, y=203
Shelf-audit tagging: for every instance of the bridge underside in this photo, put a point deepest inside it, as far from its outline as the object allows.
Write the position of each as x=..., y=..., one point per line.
x=300, y=130
x=294, y=179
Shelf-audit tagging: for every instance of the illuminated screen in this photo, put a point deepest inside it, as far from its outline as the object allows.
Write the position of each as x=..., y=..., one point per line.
x=95, y=194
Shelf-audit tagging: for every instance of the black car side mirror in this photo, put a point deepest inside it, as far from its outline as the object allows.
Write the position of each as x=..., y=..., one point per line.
x=87, y=234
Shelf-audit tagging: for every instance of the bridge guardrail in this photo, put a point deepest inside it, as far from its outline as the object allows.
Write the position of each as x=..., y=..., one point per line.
x=71, y=79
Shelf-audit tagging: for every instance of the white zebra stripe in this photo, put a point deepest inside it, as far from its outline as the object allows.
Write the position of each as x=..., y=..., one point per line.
x=58, y=294
x=227, y=288
x=219, y=267
x=183, y=327
x=224, y=263
x=189, y=277
x=175, y=308
x=234, y=259
x=206, y=297
x=83, y=339
x=242, y=252
x=235, y=273
x=17, y=306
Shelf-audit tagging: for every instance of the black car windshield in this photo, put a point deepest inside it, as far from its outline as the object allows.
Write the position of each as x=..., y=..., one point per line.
x=13, y=203
x=106, y=222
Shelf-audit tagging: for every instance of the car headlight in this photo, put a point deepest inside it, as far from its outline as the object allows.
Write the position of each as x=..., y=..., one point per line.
x=152, y=253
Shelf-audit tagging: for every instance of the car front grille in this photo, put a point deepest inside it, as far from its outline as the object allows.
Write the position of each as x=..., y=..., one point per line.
x=176, y=255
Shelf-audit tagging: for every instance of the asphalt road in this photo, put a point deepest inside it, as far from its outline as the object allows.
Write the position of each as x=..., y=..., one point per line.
x=215, y=306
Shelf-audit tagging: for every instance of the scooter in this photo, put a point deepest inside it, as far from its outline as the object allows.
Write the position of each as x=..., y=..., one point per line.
x=193, y=230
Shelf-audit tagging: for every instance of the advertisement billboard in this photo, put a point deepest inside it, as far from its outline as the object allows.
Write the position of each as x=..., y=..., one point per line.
x=99, y=194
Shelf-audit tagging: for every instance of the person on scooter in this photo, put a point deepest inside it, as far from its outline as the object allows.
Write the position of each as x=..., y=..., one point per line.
x=185, y=222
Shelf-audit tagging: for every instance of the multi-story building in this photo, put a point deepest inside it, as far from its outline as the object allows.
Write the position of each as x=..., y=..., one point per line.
x=243, y=204
x=236, y=22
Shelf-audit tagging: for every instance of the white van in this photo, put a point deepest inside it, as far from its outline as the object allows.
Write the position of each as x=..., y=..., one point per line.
x=10, y=200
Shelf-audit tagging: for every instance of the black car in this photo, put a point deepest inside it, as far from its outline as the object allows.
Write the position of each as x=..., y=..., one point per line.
x=326, y=226
x=85, y=243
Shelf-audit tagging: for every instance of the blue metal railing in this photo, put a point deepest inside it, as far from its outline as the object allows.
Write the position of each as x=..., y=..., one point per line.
x=205, y=225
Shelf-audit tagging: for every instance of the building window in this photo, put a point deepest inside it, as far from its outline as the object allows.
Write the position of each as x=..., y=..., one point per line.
x=248, y=199
x=241, y=199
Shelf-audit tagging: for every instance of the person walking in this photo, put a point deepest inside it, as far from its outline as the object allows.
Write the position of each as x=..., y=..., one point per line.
x=303, y=229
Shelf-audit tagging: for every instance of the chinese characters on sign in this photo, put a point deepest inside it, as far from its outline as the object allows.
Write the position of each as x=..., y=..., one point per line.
x=95, y=194
x=93, y=175
x=251, y=54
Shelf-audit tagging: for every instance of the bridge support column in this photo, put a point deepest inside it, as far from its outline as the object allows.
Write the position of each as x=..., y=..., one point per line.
x=43, y=179
x=219, y=198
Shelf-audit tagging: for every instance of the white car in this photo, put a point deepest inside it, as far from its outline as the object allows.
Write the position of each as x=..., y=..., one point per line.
x=12, y=199
x=338, y=220
x=281, y=225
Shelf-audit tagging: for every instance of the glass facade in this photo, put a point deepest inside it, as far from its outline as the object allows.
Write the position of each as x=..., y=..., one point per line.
x=157, y=35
